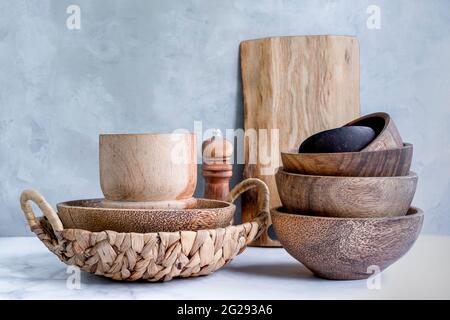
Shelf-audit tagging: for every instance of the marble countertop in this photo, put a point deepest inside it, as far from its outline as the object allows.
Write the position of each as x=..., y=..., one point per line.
x=29, y=271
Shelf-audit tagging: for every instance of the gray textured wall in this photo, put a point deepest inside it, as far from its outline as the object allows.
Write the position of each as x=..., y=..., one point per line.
x=147, y=66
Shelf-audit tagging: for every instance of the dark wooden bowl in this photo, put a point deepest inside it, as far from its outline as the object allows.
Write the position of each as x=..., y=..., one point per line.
x=346, y=197
x=344, y=139
x=380, y=163
x=387, y=135
x=346, y=249
x=91, y=215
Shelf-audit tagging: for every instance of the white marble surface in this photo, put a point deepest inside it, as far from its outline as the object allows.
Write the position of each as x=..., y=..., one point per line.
x=29, y=271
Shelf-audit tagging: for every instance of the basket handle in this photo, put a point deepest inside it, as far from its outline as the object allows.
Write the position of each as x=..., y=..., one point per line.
x=263, y=196
x=47, y=210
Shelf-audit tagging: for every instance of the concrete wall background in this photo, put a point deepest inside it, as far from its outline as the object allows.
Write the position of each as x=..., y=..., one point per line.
x=149, y=66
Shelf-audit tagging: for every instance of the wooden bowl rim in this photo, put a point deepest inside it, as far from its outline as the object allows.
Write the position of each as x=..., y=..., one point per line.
x=383, y=115
x=416, y=212
x=406, y=146
x=69, y=205
x=411, y=175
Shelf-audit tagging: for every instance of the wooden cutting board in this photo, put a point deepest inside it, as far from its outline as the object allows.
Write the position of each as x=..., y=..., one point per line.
x=295, y=86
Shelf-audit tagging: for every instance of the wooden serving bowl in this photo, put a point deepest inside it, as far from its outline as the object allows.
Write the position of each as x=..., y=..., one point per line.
x=380, y=163
x=387, y=135
x=157, y=168
x=92, y=215
x=346, y=248
x=346, y=197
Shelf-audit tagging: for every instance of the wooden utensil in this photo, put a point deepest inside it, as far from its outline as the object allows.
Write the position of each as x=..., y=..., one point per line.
x=346, y=197
x=343, y=139
x=159, y=169
x=387, y=137
x=380, y=163
x=92, y=215
x=345, y=248
x=216, y=166
x=297, y=86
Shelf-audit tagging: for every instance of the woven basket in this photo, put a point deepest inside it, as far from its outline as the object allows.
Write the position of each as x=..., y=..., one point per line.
x=147, y=256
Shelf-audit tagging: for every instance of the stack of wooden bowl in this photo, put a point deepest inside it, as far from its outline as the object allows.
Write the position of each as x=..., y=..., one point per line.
x=346, y=199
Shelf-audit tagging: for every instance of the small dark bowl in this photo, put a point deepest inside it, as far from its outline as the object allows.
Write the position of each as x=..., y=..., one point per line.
x=344, y=139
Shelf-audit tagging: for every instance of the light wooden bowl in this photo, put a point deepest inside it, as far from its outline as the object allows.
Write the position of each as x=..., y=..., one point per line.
x=92, y=215
x=346, y=249
x=380, y=163
x=346, y=197
x=148, y=167
x=387, y=135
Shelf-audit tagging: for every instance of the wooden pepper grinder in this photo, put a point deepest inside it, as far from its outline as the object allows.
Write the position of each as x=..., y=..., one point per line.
x=217, y=168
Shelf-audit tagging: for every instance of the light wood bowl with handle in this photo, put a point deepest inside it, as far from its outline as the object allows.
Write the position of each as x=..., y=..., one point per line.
x=379, y=163
x=346, y=197
x=387, y=134
x=155, y=170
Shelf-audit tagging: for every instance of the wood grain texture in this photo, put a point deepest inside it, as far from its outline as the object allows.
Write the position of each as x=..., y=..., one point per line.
x=388, y=136
x=298, y=85
x=91, y=215
x=216, y=167
x=346, y=197
x=380, y=163
x=344, y=249
x=148, y=167
x=167, y=204
x=217, y=181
